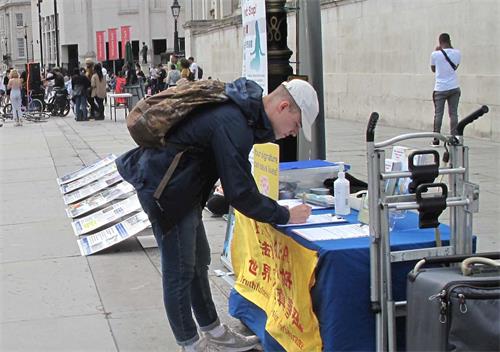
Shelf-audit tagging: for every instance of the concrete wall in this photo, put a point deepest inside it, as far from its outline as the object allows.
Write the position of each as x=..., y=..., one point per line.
x=376, y=58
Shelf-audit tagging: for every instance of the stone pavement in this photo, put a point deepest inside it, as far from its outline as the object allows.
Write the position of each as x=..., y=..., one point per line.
x=53, y=299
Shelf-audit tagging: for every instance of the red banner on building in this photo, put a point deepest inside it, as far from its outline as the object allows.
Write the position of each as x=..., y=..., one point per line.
x=101, y=48
x=125, y=32
x=112, y=44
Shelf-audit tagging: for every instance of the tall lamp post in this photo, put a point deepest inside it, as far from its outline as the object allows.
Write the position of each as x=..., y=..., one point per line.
x=26, y=40
x=176, y=9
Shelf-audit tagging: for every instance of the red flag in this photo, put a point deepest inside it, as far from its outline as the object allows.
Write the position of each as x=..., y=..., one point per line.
x=113, y=44
x=125, y=32
x=101, y=51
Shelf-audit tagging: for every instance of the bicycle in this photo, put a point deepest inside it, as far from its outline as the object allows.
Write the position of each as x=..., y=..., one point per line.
x=57, y=104
x=32, y=112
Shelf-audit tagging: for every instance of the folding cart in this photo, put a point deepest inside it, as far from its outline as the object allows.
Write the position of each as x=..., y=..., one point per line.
x=460, y=195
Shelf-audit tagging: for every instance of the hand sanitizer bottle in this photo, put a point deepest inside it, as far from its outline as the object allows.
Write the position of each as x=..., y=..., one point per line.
x=341, y=193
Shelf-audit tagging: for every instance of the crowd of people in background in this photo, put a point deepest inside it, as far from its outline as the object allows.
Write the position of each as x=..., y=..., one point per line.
x=87, y=86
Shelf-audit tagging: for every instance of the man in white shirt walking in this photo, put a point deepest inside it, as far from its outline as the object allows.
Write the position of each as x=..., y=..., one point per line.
x=193, y=67
x=444, y=63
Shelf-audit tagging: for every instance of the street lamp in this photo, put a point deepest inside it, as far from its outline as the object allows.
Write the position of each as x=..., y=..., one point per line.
x=26, y=40
x=176, y=9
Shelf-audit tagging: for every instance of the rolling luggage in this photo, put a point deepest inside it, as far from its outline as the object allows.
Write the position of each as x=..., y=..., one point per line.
x=454, y=308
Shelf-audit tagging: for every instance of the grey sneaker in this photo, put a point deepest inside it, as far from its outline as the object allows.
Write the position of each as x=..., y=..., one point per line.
x=231, y=341
x=202, y=345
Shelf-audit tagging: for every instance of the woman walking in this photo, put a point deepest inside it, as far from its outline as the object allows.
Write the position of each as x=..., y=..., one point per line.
x=98, y=84
x=15, y=85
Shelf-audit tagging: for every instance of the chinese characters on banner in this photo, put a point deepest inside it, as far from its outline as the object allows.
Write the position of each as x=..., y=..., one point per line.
x=125, y=34
x=101, y=51
x=276, y=273
x=255, y=41
x=112, y=44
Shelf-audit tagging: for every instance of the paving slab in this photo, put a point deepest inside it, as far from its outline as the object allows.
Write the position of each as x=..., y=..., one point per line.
x=74, y=333
x=41, y=289
x=37, y=240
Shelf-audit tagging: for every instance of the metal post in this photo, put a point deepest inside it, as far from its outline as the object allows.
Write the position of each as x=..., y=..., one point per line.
x=311, y=64
x=176, y=10
x=278, y=63
x=39, y=5
x=57, y=32
x=176, y=38
x=26, y=41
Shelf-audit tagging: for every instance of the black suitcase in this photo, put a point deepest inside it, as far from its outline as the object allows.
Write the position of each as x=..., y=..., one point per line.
x=450, y=311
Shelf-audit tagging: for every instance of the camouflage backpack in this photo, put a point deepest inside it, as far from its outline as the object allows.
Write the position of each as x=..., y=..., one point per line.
x=152, y=118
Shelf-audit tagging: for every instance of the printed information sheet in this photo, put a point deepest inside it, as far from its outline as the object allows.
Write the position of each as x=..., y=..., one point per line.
x=105, y=216
x=94, y=176
x=86, y=170
x=98, y=200
x=114, y=234
x=334, y=232
x=318, y=219
x=92, y=188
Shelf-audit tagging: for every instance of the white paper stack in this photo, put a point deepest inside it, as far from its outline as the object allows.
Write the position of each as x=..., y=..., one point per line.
x=333, y=232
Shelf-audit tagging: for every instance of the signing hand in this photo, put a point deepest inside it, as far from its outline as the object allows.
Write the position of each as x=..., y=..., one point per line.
x=299, y=214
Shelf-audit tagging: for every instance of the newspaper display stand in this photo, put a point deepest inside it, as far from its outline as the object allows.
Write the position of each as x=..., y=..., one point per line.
x=103, y=207
x=460, y=195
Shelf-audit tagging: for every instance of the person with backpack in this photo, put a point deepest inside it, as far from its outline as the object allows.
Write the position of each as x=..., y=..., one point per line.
x=174, y=180
x=193, y=67
x=444, y=63
x=80, y=84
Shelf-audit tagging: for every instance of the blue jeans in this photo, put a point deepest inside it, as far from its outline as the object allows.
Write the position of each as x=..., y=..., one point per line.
x=81, y=107
x=185, y=256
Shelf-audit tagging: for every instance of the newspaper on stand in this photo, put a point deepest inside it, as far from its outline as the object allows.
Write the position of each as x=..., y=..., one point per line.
x=105, y=216
x=114, y=234
x=86, y=170
x=92, y=188
x=99, y=199
x=94, y=176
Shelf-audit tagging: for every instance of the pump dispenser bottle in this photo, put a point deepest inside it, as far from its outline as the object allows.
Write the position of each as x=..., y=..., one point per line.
x=341, y=193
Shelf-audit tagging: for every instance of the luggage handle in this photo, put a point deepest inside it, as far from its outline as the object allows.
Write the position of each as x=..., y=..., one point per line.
x=447, y=260
x=468, y=263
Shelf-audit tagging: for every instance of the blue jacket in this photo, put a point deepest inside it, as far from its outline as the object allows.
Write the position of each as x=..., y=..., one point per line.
x=223, y=135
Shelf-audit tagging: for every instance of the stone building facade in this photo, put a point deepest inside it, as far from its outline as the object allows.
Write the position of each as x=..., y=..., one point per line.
x=16, y=42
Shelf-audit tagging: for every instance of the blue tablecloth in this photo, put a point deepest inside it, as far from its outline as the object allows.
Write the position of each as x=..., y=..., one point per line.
x=341, y=296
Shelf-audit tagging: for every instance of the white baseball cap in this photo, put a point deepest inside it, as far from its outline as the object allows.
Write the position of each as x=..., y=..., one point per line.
x=306, y=98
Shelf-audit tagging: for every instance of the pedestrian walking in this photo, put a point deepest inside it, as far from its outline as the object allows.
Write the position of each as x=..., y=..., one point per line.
x=144, y=53
x=444, y=63
x=14, y=86
x=193, y=67
x=98, y=84
x=222, y=136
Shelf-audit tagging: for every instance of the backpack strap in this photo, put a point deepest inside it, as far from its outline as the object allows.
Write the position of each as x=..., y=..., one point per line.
x=453, y=66
x=170, y=171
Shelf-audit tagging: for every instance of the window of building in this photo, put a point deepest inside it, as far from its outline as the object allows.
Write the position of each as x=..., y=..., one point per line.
x=2, y=23
x=20, y=47
x=159, y=4
x=19, y=20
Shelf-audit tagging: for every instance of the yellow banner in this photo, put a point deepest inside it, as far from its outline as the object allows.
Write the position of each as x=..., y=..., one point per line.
x=266, y=168
x=276, y=273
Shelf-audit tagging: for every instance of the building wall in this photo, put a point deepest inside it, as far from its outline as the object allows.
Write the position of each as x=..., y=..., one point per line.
x=11, y=34
x=376, y=58
x=80, y=19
